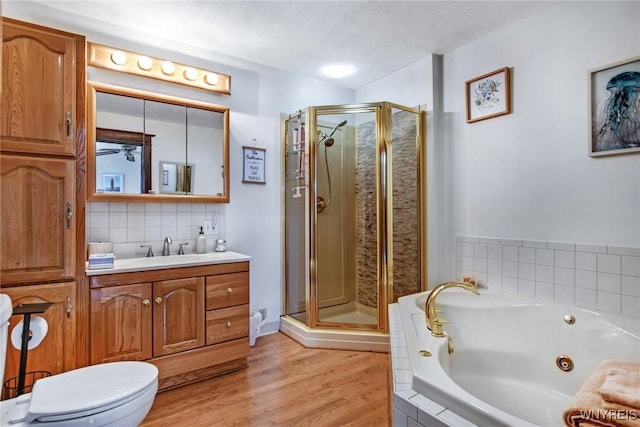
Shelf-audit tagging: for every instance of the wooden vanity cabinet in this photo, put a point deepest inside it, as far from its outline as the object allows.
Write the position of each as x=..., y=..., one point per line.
x=191, y=322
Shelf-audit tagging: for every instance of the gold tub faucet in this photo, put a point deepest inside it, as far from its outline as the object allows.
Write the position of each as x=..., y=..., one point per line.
x=434, y=323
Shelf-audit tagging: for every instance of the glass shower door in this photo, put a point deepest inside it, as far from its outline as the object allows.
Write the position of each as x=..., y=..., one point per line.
x=296, y=223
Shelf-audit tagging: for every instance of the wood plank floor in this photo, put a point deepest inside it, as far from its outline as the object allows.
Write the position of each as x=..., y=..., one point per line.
x=285, y=385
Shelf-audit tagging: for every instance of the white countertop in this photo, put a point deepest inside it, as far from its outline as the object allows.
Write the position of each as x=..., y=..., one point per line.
x=125, y=265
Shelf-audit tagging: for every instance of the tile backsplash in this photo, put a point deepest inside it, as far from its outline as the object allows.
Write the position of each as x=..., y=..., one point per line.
x=129, y=225
x=600, y=277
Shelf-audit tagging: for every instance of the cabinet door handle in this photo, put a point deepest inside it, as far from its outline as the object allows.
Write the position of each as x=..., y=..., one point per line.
x=158, y=300
x=146, y=302
x=68, y=308
x=228, y=324
x=229, y=291
x=68, y=121
x=69, y=214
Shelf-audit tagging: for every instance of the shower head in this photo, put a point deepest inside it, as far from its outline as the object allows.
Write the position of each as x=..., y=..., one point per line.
x=327, y=139
x=339, y=125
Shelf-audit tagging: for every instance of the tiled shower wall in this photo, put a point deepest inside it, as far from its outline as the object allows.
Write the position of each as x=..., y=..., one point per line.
x=600, y=277
x=129, y=225
x=405, y=204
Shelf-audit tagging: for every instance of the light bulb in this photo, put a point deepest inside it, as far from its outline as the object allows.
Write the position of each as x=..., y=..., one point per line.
x=168, y=68
x=190, y=74
x=211, y=79
x=145, y=63
x=118, y=58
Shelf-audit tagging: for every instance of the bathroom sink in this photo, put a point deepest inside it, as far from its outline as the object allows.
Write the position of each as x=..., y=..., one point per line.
x=123, y=265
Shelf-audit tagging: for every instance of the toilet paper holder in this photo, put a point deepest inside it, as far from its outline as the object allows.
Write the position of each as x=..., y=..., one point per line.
x=26, y=310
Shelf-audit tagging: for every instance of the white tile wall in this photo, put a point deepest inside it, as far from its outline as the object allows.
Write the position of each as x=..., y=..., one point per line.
x=600, y=277
x=129, y=225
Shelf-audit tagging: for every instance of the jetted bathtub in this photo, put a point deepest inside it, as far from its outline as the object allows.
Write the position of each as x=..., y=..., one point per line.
x=505, y=368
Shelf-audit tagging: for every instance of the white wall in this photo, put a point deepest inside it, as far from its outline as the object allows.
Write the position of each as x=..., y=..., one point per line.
x=527, y=175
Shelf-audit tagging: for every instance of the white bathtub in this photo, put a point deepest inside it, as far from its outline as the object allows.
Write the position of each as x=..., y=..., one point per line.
x=503, y=369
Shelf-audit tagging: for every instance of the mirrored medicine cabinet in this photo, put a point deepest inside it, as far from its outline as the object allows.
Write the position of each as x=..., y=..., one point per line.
x=143, y=146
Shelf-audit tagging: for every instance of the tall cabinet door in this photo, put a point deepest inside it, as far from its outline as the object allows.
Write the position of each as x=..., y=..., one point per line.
x=121, y=323
x=178, y=315
x=38, y=89
x=37, y=222
x=56, y=353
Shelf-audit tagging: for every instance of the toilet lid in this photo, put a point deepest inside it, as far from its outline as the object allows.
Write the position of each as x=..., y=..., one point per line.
x=89, y=390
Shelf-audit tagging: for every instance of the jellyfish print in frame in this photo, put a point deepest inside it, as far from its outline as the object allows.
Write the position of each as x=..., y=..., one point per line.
x=488, y=95
x=615, y=108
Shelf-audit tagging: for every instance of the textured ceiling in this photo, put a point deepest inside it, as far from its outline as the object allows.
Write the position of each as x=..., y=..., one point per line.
x=376, y=37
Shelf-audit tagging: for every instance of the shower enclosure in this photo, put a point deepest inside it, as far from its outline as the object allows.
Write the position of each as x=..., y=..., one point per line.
x=354, y=223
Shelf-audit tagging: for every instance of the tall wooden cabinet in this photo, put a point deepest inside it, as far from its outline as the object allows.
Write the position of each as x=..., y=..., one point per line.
x=42, y=182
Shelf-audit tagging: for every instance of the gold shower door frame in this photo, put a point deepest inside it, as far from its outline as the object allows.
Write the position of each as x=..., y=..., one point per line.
x=384, y=207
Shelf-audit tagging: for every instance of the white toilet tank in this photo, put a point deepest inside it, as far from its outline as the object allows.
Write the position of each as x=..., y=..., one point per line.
x=5, y=313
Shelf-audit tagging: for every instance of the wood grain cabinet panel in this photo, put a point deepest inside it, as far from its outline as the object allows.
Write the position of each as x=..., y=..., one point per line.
x=121, y=323
x=178, y=315
x=56, y=353
x=227, y=324
x=39, y=84
x=224, y=290
x=37, y=226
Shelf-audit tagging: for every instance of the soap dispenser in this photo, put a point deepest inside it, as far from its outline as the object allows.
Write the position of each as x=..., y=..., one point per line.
x=201, y=242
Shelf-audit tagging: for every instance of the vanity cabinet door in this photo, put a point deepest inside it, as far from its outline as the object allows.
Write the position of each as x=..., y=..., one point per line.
x=40, y=71
x=57, y=352
x=178, y=315
x=37, y=227
x=121, y=323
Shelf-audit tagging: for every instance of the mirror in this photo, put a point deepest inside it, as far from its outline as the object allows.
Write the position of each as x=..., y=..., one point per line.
x=146, y=146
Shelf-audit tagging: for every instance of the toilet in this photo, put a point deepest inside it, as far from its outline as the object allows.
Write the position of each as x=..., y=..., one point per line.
x=110, y=394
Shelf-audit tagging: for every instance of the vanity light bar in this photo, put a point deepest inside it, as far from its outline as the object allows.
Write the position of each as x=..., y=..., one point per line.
x=134, y=63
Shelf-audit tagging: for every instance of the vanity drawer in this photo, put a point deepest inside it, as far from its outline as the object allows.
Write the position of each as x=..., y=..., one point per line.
x=225, y=290
x=227, y=324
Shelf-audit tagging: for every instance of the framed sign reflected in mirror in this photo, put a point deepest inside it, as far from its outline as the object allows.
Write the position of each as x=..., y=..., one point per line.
x=112, y=183
x=177, y=178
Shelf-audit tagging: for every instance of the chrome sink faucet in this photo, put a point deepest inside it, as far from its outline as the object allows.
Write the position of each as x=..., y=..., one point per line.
x=434, y=323
x=165, y=246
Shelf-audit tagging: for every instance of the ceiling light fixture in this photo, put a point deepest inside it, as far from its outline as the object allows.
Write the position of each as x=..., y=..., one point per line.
x=337, y=71
x=156, y=68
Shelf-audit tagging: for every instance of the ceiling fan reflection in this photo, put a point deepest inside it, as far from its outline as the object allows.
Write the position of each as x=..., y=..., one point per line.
x=127, y=150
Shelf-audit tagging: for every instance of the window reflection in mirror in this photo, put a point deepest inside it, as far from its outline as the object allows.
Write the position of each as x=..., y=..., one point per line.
x=177, y=178
x=132, y=132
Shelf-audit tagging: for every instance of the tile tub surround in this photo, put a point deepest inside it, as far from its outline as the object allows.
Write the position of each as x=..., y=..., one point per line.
x=600, y=277
x=411, y=409
x=129, y=225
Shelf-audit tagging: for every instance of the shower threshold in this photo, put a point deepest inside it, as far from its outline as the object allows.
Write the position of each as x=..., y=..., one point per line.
x=330, y=338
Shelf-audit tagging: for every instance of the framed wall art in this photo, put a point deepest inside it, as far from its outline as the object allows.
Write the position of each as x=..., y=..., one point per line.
x=113, y=183
x=253, y=165
x=614, y=111
x=488, y=96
